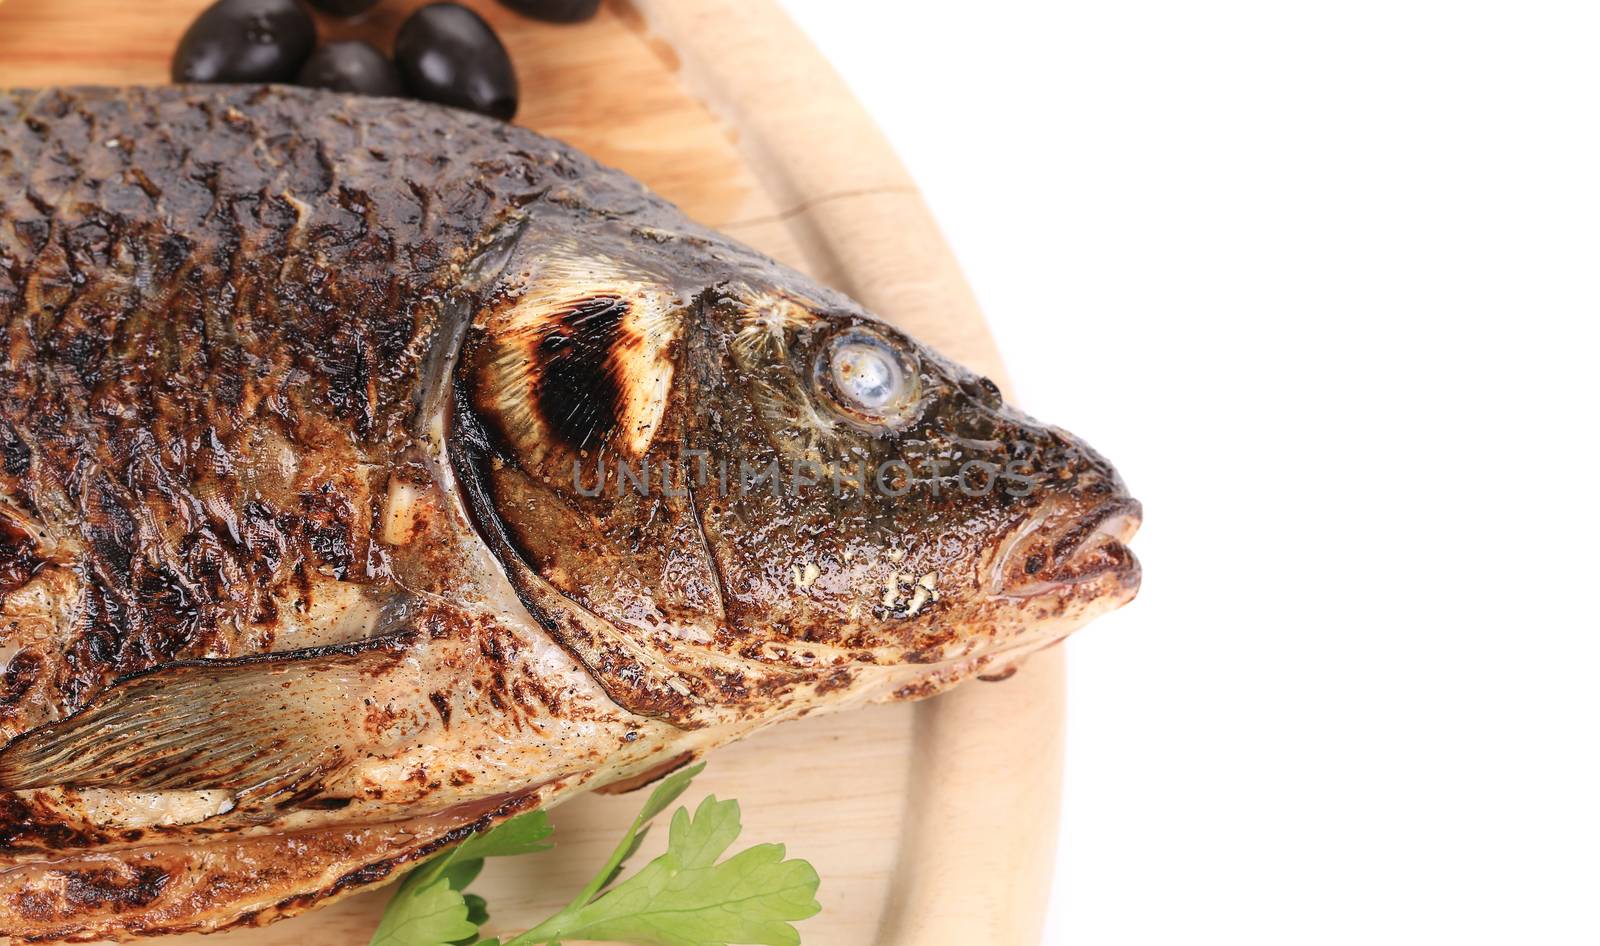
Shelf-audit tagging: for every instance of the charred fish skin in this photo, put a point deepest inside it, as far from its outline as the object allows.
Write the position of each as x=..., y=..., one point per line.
x=308, y=561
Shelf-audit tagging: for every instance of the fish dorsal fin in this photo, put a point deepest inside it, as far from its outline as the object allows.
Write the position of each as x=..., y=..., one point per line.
x=257, y=725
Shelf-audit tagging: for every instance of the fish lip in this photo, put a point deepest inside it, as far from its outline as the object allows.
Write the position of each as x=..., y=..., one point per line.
x=1082, y=550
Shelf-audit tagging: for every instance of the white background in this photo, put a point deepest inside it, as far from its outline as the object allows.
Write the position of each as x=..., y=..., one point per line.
x=1322, y=279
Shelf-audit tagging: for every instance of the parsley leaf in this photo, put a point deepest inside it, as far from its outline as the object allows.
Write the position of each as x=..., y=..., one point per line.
x=684, y=897
x=523, y=834
x=430, y=914
x=429, y=908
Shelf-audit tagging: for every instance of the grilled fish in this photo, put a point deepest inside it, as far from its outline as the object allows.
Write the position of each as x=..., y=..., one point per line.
x=371, y=472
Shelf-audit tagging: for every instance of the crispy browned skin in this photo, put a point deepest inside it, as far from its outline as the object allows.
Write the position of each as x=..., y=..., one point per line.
x=303, y=573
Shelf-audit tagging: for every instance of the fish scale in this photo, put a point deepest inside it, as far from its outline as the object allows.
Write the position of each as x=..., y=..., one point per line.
x=373, y=471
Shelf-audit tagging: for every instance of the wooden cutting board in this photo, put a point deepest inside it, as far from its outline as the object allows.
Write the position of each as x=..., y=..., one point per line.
x=930, y=824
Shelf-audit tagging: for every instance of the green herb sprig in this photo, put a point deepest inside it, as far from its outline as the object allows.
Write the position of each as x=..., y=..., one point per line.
x=688, y=896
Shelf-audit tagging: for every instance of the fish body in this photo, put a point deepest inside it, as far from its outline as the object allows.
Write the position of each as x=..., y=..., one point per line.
x=371, y=472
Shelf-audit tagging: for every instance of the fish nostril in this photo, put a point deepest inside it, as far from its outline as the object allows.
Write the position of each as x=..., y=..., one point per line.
x=984, y=391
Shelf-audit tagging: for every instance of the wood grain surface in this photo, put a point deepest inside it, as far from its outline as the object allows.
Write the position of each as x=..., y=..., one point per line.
x=930, y=824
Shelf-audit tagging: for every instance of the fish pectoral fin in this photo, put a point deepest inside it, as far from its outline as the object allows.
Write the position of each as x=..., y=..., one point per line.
x=257, y=725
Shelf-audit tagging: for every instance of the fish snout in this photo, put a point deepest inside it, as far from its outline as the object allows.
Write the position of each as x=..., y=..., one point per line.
x=1061, y=550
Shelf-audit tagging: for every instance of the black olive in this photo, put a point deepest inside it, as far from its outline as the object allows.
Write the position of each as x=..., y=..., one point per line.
x=246, y=41
x=352, y=66
x=448, y=54
x=344, y=7
x=555, y=11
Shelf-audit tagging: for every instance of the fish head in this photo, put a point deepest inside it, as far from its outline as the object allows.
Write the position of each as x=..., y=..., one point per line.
x=765, y=487
x=874, y=499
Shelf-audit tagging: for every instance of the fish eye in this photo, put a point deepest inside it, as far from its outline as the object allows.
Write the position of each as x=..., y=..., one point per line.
x=868, y=378
x=867, y=375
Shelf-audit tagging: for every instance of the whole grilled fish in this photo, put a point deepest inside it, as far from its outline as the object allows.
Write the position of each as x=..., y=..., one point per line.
x=371, y=472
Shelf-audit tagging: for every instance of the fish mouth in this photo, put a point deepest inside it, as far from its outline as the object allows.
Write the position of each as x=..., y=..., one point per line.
x=1062, y=551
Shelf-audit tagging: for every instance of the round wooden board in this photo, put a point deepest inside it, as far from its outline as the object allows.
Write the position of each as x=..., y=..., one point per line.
x=930, y=824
